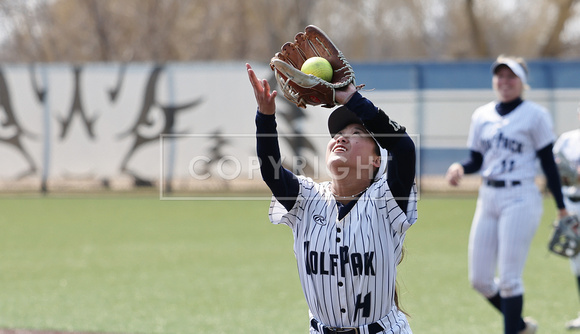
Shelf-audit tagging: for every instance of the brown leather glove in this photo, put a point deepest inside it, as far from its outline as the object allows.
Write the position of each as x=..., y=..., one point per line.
x=300, y=88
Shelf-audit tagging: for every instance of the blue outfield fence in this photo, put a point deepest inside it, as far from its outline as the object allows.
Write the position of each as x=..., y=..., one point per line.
x=544, y=74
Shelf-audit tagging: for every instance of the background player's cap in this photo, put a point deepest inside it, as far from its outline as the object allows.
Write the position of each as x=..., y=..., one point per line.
x=340, y=118
x=513, y=65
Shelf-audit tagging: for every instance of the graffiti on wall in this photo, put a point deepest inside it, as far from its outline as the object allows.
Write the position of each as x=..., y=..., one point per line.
x=135, y=109
x=14, y=128
x=13, y=131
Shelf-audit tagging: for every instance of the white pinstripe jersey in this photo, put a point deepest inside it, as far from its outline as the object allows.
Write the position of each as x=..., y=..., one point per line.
x=509, y=143
x=348, y=267
x=568, y=144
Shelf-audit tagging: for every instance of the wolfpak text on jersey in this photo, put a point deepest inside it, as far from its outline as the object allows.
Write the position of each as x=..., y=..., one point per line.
x=319, y=263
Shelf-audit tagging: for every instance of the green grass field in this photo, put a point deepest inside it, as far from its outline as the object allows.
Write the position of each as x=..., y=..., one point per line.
x=141, y=265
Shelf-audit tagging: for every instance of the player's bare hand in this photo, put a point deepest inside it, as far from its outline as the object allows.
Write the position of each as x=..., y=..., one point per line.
x=266, y=100
x=562, y=213
x=454, y=174
x=343, y=95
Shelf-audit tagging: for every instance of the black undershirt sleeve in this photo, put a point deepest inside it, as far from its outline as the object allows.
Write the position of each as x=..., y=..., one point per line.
x=401, y=170
x=394, y=138
x=473, y=164
x=552, y=175
x=283, y=183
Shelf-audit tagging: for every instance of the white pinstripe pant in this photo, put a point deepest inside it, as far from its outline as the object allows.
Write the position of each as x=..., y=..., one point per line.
x=502, y=230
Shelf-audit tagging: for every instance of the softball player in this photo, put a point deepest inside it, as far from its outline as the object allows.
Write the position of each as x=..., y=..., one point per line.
x=505, y=137
x=567, y=152
x=348, y=232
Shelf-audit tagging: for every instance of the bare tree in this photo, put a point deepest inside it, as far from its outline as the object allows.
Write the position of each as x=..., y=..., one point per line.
x=553, y=46
x=99, y=17
x=480, y=47
x=217, y=30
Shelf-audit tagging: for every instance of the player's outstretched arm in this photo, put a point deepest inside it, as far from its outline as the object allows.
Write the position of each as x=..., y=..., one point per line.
x=266, y=100
x=282, y=182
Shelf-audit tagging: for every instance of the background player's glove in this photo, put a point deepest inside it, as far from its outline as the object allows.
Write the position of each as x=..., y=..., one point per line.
x=568, y=173
x=301, y=88
x=565, y=240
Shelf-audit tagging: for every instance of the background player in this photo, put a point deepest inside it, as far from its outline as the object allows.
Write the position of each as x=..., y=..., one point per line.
x=567, y=152
x=348, y=232
x=505, y=137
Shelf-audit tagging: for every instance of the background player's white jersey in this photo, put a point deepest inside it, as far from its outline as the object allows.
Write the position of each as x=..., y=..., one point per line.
x=568, y=144
x=348, y=267
x=509, y=143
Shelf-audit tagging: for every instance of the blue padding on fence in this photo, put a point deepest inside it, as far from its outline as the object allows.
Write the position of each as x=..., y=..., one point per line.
x=460, y=75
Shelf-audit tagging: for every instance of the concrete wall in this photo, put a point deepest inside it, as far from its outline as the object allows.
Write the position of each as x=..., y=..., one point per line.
x=179, y=125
